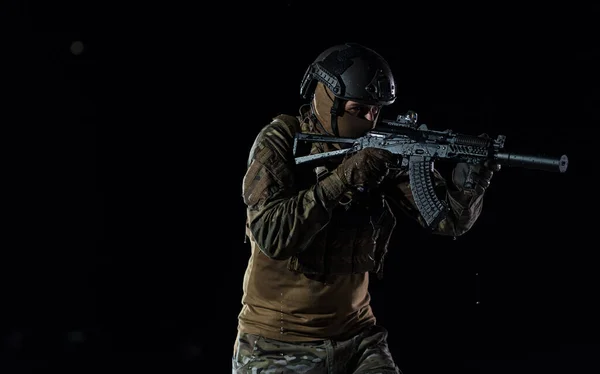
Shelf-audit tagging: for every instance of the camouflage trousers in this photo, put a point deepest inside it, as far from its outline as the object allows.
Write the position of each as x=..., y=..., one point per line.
x=366, y=352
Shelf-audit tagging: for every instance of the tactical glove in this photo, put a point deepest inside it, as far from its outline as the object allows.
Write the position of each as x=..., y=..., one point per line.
x=367, y=167
x=474, y=178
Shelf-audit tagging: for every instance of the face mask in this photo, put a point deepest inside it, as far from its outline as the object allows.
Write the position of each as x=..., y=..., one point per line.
x=348, y=125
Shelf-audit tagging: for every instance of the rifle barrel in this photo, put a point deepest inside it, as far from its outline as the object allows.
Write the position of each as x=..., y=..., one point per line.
x=555, y=164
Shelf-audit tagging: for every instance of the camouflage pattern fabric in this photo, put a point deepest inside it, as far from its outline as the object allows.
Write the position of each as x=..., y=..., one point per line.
x=367, y=352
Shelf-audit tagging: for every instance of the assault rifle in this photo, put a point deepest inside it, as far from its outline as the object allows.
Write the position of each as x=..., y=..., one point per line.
x=420, y=147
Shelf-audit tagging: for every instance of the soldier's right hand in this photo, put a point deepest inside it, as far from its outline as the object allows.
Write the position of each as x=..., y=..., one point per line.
x=366, y=167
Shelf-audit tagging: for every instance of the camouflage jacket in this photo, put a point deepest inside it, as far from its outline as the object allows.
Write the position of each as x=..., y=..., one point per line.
x=291, y=216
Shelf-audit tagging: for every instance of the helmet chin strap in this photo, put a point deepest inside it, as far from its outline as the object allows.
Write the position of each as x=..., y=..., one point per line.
x=336, y=108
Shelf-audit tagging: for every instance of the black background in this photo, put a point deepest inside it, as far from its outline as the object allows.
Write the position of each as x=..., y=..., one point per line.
x=123, y=233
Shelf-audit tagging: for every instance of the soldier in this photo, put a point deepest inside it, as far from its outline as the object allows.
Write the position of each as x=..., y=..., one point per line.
x=317, y=233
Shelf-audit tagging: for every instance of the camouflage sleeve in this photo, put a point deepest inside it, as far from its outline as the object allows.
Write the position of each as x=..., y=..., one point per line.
x=281, y=218
x=465, y=207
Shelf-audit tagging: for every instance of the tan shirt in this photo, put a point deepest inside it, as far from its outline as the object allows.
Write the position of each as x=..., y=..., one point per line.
x=284, y=305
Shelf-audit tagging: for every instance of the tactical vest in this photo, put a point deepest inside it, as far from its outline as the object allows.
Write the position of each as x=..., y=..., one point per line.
x=356, y=238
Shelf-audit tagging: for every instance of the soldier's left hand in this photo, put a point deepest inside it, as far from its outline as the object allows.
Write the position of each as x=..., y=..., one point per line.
x=469, y=177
